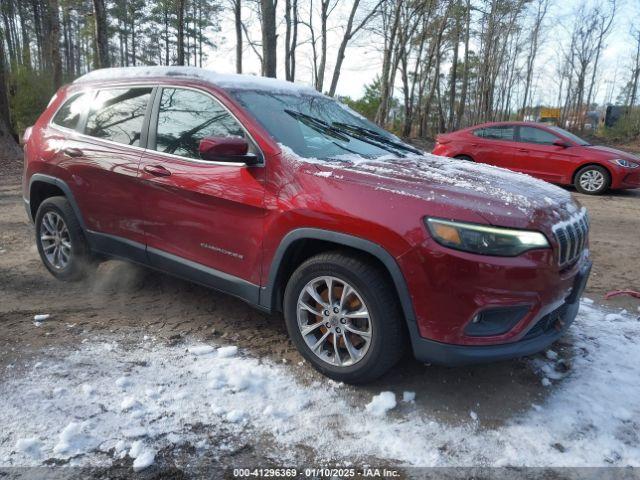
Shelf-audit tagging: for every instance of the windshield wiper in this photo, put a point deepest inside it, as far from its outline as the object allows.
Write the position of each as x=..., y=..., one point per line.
x=347, y=127
x=318, y=125
x=336, y=130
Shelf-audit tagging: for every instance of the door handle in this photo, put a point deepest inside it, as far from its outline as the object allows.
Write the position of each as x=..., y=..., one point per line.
x=72, y=152
x=157, y=170
x=523, y=150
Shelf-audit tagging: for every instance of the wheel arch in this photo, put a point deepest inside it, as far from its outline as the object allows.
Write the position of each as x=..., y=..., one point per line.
x=591, y=164
x=43, y=186
x=301, y=244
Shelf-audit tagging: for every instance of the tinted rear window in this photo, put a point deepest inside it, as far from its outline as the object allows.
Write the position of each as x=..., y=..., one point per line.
x=118, y=114
x=496, y=133
x=69, y=114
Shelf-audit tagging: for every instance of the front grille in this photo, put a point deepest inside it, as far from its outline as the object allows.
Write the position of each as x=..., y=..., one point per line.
x=571, y=236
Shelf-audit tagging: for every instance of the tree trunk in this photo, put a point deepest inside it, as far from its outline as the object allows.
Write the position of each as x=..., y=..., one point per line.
x=324, y=14
x=386, y=88
x=180, y=27
x=454, y=73
x=269, y=38
x=54, y=44
x=102, y=38
x=237, y=12
x=26, y=43
x=7, y=136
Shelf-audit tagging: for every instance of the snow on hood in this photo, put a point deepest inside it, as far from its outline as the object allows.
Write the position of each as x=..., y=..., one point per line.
x=495, y=193
x=223, y=80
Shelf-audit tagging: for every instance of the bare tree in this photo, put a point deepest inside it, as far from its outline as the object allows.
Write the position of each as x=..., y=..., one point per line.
x=541, y=11
x=349, y=32
x=604, y=24
x=635, y=72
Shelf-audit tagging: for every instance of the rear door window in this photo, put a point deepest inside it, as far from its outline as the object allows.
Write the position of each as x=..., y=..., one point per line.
x=69, y=114
x=536, y=135
x=118, y=114
x=502, y=132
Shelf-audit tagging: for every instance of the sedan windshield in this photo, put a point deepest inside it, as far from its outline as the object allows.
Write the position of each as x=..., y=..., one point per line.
x=570, y=136
x=314, y=126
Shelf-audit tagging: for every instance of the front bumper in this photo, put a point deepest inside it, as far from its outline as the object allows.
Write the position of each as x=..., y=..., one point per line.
x=542, y=334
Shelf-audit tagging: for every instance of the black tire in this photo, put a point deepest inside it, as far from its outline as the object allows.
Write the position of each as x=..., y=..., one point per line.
x=388, y=334
x=80, y=262
x=466, y=158
x=596, y=170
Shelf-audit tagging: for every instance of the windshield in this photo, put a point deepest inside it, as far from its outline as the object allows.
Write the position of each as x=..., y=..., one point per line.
x=318, y=127
x=570, y=136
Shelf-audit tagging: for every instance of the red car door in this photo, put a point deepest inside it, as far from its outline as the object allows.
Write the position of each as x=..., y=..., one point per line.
x=102, y=161
x=207, y=213
x=494, y=145
x=539, y=156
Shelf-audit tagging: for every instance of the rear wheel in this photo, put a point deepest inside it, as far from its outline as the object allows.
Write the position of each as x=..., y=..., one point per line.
x=61, y=242
x=343, y=316
x=464, y=157
x=592, y=180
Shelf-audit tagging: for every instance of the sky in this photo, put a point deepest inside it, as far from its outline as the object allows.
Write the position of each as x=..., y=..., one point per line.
x=364, y=55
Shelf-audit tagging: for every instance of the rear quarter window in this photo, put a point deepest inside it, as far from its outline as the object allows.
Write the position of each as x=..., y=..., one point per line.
x=69, y=114
x=504, y=132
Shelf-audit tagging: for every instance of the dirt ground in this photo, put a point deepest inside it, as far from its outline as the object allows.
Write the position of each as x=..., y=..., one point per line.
x=123, y=299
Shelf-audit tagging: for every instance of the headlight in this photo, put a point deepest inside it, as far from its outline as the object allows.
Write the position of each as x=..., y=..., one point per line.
x=626, y=163
x=484, y=239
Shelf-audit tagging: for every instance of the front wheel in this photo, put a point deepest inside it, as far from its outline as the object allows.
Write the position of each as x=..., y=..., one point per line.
x=592, y=180
x=343, y=315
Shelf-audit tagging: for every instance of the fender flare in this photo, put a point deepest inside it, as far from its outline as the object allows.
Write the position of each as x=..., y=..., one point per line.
x=267, y=294
x=62, y=185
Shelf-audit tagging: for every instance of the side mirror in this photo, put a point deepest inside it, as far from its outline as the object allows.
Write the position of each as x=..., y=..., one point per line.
x=227, y=149
x=560, y=143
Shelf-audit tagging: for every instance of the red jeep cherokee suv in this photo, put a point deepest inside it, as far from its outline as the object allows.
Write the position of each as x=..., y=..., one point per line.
x=292, y=202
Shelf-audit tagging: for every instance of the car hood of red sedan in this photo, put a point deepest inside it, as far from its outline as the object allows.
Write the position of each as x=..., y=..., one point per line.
x=502, y=197
x=611, y=153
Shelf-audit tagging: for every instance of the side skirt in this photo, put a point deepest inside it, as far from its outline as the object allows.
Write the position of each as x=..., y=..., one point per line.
x=120, y=248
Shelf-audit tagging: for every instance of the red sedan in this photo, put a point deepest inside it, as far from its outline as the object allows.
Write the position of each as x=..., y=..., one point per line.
x=545, y=152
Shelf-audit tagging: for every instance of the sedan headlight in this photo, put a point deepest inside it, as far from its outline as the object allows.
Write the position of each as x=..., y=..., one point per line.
x=484, y=239
x=626, y=163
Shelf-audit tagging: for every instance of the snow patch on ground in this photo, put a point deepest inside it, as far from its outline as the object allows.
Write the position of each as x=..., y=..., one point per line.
x=590, y=418
x=381, y=404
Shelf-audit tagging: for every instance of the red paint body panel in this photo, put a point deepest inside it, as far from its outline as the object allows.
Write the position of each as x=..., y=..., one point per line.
x=552, y=163
x=233, y=218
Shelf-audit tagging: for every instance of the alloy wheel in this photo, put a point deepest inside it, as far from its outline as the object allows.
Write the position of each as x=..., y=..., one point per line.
x=55, y=240
x=334, y=321
x=592, y=180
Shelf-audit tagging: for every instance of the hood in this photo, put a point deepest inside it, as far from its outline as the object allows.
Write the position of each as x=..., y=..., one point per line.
x=502, y=197
x=612, y=153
